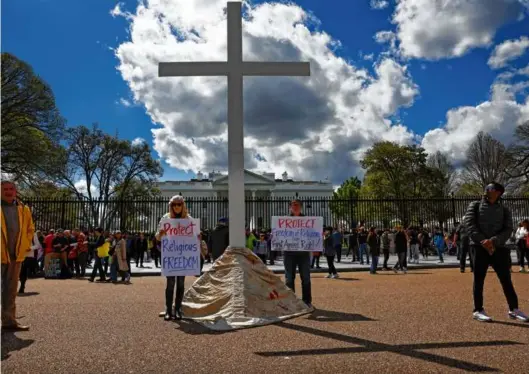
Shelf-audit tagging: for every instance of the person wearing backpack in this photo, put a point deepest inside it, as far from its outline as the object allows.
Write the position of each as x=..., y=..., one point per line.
x=489, y=225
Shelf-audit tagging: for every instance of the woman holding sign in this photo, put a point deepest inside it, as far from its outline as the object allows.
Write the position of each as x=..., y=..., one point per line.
x=177, y=209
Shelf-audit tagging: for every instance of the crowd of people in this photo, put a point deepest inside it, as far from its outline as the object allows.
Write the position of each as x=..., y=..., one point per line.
x=483, y=234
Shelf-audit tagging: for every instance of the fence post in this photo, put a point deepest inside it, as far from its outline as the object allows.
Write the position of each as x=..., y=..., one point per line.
x=63, y=213
x=453, y=208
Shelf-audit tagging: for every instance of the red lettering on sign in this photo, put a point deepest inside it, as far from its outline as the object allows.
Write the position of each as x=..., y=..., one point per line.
x=179, y=229
x=296, y=223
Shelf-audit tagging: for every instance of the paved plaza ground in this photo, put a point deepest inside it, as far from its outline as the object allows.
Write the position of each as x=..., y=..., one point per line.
x=387, y=323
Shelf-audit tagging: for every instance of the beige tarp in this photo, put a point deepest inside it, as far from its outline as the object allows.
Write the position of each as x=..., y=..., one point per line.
x=240, y=291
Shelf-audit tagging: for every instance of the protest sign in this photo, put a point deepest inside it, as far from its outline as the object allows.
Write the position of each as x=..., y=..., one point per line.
x=180, y=247
x=297, y=234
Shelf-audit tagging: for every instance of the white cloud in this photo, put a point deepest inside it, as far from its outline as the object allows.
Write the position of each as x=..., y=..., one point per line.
x=499, y=116
x=116, y=11
x=436, y=29
x=369, y=57
x=301, y=125
x=508, y=51
x=379, y=4
x=138, y=141
x=81, y=186
x=126, y=103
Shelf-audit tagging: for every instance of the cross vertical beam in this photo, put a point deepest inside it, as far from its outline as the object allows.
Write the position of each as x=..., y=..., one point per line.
x=236, y=193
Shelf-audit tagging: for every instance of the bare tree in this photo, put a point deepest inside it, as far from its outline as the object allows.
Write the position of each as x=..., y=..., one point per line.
x=487, y=160
x=443, y=173
x=519, y=153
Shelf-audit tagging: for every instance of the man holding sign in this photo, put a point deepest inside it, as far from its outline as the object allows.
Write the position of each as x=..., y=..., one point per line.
x=179, y=234
x=297, y=236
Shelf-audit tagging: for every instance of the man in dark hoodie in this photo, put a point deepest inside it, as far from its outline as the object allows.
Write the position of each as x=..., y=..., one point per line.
x=219, y=239
x=298, y=259
x=489, y=225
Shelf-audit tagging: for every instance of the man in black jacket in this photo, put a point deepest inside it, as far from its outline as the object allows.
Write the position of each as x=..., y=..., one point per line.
x=298, y=259
x=489, y=225
x=219, y=239
x=463, y=247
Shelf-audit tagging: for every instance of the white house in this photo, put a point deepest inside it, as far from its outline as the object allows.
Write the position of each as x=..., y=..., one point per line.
x=262, y=190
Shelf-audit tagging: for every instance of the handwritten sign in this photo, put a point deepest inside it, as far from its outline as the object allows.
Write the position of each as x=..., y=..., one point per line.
x=180, y=247
x=297, y=234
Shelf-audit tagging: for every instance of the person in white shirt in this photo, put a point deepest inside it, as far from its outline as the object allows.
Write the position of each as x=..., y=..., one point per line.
x=521, y=241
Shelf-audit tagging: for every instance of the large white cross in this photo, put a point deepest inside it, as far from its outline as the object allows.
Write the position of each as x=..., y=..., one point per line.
x=235, y=68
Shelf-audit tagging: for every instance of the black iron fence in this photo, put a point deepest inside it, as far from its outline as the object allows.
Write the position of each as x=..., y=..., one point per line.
x=144, y=215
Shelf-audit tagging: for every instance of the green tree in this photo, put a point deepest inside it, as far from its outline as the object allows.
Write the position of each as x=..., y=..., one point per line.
x=344, y=202
x=31, y=123
x=94, y=163
x=399, y=173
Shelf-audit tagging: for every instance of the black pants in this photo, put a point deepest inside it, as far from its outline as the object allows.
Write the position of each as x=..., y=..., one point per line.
x=354, y=249
x=155, y=255
x=330, y=263
x=401, y=261
x=500, y=263
x=24, y=270
x=338, y=250
x=139, y=257
x=169, y=292
x=301, y=261
x=272, y=256
x=386, y=257
x=98, y=266
x=315, y=260
x=523, y=252
x=464, y=250
x=82, y=259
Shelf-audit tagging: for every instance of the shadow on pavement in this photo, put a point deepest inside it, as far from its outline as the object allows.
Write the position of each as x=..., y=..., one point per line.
x=26, y=294
x=193, y=328
x=409, y=350
x=513, y=324
x=12, y=343
x=322, y=315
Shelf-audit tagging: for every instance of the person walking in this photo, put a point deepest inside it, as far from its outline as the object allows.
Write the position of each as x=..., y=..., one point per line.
x=101, y=251
x=374, y=248
x=329, y=249
x=489, y=225
x=17, y=235
x=362, y=245
x=463, y=248
x=521, y=238
x=337, y=239
x=177, y=210
x=299, y=260
x=400, y=249
x=386, y=243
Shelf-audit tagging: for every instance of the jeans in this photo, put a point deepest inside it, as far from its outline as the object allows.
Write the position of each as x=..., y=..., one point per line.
x=169, y=292
x=499, y=261
x=374, y=263
x=362, y=248
x=98, y=266
x=414, y=252
x=330, y=263
x=300, y=260
x=114, y=270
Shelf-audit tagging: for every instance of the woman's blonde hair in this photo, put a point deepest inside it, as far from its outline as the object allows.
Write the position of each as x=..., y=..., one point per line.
x=179, y=198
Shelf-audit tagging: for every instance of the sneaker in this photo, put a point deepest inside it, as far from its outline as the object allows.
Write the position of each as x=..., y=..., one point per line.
x=405, y=270
x=328, y=276
x=482, y=316
x=522, y=270
x=517, y=314
x=462, y=270
x=336, y=276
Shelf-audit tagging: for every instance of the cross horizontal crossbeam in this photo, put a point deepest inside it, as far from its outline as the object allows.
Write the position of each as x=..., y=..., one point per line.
x=247, y=68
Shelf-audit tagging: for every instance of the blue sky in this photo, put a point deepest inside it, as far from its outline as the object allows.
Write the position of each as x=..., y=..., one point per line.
x=69, y=44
